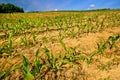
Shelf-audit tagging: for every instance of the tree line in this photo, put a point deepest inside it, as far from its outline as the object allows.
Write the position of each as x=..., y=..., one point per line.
x=10, y=8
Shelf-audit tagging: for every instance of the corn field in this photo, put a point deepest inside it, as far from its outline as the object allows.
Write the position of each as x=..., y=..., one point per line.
x=83, y=45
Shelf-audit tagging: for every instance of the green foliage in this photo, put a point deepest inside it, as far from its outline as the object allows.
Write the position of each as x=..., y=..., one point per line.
x=26, y=70
x=9, y=8
x=44, y=39
x=68, y=26
x=51, y=59
x=61, y=41
x=109, y=42
x=105, y=66
x=24, y=40
x=6, y=74
x=6, y=48
x=34, y=39
x=29, y=74
x=37, y=66
x=113, y=39
x=37, y=62
x=72, y=33
x=10, y=42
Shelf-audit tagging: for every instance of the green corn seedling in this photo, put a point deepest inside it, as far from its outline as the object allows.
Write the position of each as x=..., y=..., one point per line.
x=89, y=60
x=109, y=42
x=44, y=39
x=10, y=42
x=72, y=33
x=24, y=40
x=102, y=66
x=34, y=39
x=70, y=54
x=61, y=42
x=113, y=39
x=6, y=74
x=79, y=29
x=102, y=25
x=105, y=66
x=37, y=64
x=51, y=59
x=26, y=72
x=102, y=47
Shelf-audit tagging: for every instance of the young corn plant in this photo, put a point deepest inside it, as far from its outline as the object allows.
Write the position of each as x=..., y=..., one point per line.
x=89, y=60
x=51, y=59
x=3, y=75
x=29, y=74
x=24, y=40
x=105, y=66
x=113, y=39
x=5, y=29
x=102, y=24
x=31, y=29
x=102, y=46
x=61, y=41
x=26, y=70
x=89, y=23
x=72, y=33
x=44, y=39
x=102, y=66
x=14, y=30
x=79, y=29
x=38, y=66
x=70, y=55
x=10, y=42
x=34, y=39
x=65, y=29
x=6, y=47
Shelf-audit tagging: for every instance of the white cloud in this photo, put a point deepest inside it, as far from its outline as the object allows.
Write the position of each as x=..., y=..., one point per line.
x=55, y=9
x=92, y=5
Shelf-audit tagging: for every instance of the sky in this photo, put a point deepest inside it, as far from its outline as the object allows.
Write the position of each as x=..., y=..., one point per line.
x=48, y=5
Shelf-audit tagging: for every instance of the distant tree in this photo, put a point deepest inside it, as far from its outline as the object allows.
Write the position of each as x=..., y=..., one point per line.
x=10, y=8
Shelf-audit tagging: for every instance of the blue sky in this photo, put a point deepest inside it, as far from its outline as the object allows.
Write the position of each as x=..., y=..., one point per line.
x=46, y=5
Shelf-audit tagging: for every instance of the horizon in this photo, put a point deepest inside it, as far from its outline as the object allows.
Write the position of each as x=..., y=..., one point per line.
x=55, y=5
